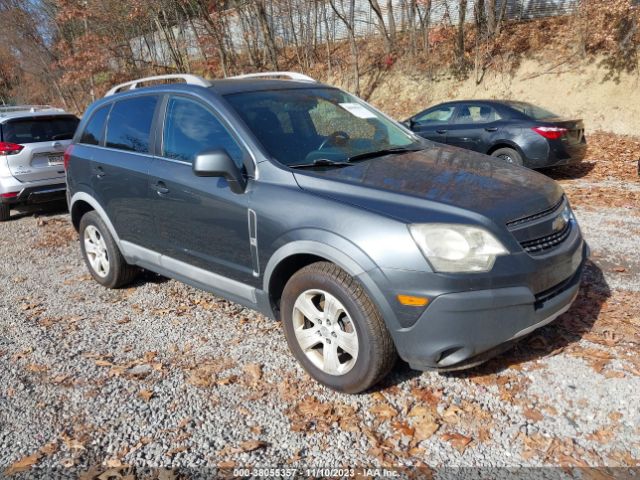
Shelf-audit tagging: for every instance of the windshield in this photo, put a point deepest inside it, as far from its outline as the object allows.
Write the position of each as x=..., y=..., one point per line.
x=39, y=129
x=301, y=126
x=532, y=111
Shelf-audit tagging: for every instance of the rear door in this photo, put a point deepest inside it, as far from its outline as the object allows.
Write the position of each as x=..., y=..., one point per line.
x=433, y=124
x=35, y=146
x=120, y=168
x=474, y=127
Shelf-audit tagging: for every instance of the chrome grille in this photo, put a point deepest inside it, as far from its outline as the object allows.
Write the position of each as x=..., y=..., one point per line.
x=531, y=218
x=543, y=244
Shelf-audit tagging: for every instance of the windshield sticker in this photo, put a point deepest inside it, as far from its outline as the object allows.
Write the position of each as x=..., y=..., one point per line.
x=357, y=110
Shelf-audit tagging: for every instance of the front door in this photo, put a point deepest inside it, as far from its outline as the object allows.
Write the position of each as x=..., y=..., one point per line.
x=474, y=127
x=199, y=220
x=433, y=124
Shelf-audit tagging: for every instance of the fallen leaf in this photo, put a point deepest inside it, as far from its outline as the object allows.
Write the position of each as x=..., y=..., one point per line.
x=227, y=380
x=227, y=464
x=254, y=371
x=23, y=464
x=533, y=415
x=457, y=441
x=424, y=428
x=36, y=368
x=146, y=395
x=103, y=363
x=176, y=450
x=452, y=415
x=383, y=410
x=113, y=463
x=49, y=449
x=251, y=445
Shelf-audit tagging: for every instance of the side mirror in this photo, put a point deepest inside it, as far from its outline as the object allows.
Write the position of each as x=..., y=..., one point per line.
x=218, y=163
x=409, y=123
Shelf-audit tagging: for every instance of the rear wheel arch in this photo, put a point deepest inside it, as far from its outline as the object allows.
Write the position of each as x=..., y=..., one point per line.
x=89, y=200
x=505, y=144
x=78, y=210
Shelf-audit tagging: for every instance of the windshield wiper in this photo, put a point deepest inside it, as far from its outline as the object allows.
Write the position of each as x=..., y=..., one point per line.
x=321, y=162
x=380, y=153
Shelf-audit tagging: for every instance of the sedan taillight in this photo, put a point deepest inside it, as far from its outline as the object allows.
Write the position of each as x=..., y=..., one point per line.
x=551, y=133
x=8, y=148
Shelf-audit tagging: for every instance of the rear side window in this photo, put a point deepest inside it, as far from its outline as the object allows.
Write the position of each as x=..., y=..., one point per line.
x=129, y=124
x=92, y=134
x=39, y=129
x=191, y=128
x=536, y=113
x=477, y=114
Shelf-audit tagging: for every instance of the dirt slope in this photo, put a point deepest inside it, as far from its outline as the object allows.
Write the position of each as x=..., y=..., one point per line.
x=575, y=89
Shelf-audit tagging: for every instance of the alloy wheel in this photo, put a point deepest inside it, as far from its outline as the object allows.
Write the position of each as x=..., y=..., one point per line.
x=325, y=332
x=96, y=250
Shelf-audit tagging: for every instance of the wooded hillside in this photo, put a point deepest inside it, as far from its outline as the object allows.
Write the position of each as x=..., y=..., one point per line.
x=68, y=52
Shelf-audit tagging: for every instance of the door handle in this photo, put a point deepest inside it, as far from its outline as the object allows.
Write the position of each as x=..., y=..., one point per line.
x=441, y=131
x=491, y=129
x=99, y=172
x=161, y=188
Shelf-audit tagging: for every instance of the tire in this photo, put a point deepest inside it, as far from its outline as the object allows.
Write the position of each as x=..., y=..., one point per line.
x=5, y=212
x=509, y=155
x=104, y=260
x=361, y=364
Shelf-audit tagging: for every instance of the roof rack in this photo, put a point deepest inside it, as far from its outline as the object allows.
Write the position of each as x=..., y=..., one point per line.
x=28, y=108
x=291, y=75
x=133, y=84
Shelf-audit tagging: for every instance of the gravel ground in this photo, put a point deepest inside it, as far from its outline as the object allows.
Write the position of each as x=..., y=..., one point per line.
x=164, y=375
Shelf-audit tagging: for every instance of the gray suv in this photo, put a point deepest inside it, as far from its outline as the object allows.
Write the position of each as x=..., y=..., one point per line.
x=33, y=139
x=303, y=202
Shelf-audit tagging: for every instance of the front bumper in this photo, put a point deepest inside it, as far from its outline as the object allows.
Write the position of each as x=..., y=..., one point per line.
x=463, y=329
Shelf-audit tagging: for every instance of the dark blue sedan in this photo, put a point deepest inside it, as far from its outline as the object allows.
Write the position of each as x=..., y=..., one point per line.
x=517, y=132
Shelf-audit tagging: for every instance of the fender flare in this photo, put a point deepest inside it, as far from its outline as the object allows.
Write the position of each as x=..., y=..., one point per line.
x=86, y=197
x=309, y=247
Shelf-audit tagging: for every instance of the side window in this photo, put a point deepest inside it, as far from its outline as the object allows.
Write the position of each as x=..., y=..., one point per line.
x=129, y=124
x=92, y=134
x=439, y=115
x=191, y=128
x=477, y=114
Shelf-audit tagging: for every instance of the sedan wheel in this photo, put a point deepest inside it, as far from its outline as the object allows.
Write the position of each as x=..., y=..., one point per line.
x=325, y=332
x=508, y=155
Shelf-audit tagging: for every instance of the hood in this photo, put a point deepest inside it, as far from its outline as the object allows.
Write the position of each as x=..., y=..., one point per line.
x=411, y=186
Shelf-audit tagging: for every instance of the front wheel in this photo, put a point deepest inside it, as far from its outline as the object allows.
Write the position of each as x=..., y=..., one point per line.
x=101, y=254
x=509, y=155
x=334, y=329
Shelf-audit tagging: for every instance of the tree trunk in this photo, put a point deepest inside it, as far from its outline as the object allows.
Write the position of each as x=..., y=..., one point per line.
x=462, y=17
x=267, y=35
x=375, y=6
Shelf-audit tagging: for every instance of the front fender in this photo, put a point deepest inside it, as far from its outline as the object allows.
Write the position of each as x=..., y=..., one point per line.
x=341, y=252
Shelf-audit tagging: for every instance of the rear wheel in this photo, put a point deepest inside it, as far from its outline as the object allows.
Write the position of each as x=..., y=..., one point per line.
x=334, y=329
x=101, y=254
x=5, y=212
x=509, y=155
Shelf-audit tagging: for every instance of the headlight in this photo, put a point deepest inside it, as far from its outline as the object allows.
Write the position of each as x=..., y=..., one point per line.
x=454, y=248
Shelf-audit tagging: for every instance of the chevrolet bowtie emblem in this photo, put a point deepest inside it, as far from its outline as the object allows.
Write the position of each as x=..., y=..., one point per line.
x=559, y=223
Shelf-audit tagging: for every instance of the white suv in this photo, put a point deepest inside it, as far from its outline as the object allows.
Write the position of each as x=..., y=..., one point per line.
x=33, y=139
